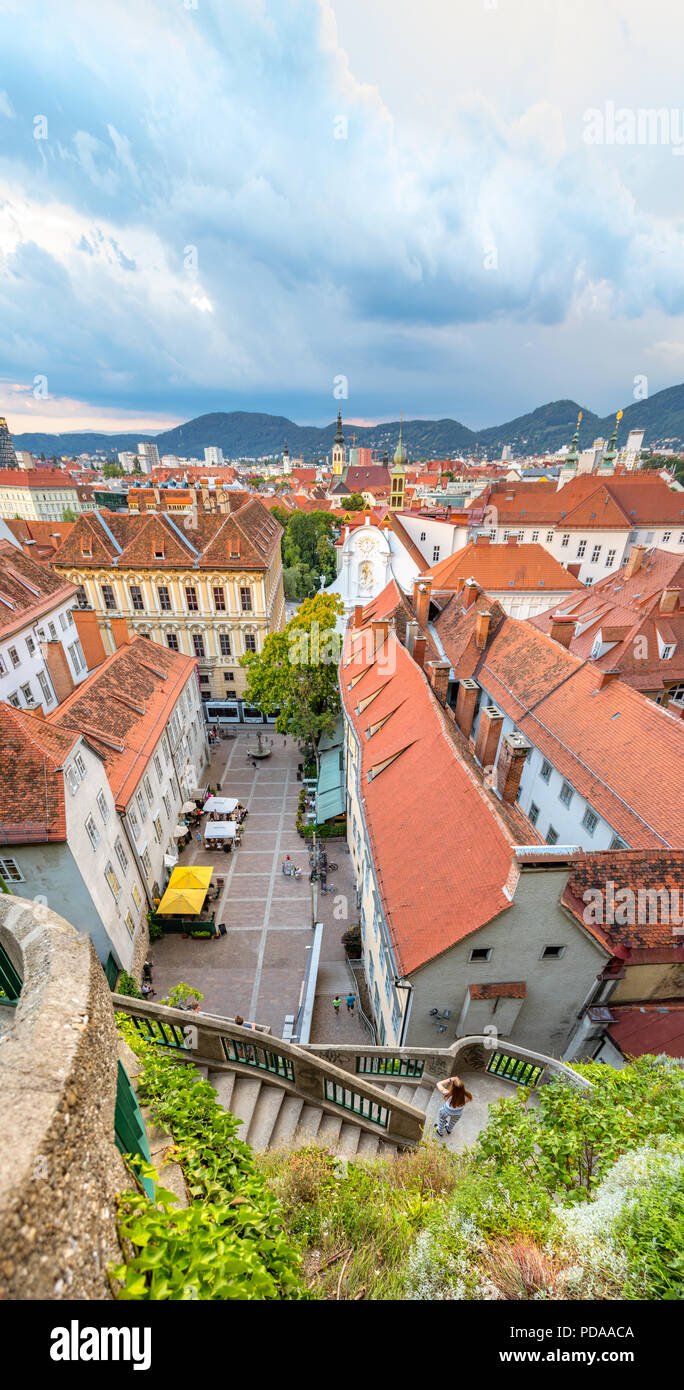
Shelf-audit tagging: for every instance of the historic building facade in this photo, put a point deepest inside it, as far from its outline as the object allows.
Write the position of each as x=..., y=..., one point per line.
x=213, y=590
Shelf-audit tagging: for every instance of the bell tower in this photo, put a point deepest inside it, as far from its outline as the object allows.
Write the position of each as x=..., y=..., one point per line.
x=339, y=453
x=398, y=474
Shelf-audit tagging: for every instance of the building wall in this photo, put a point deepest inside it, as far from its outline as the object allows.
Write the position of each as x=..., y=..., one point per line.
x=613, y=545
x=58, y=621
x=430, y=534
x=38, y=504
x=658, y=981
x=527, y=604
x=566, y=820
x=267, y=614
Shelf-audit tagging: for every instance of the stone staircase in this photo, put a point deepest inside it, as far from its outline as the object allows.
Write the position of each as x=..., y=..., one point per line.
x=274, y=1116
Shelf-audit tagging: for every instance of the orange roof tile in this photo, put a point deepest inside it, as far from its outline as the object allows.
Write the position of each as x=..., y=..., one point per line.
x=521, y=568
x=32, y=784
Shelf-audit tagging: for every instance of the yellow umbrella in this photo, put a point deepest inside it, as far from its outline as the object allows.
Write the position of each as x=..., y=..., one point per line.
x=190, y=877
x=187, y=902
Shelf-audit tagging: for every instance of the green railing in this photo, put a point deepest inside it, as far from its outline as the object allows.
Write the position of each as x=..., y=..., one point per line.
x=154, y=1031
x=389, y=1066
x=10, y=981
x=338, y=1094
x=515, y=1069
x=251, y=1055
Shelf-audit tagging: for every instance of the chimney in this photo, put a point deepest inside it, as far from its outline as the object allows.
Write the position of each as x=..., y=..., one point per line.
x=55, y=540
x=358, y=615
x=562, y=629
x=606, y=678
x=634, y=563
x=27, y=547
x=419, y=649
x=483, y=540
x=509, y=768
x=488, y=735
x=422, y=589
x=458, y=586
x=512, y=540
x=482, y=629
x=465, y=705
x=669, y=601
x=119, y=630
x=471, y=590
x=410, y=634
x=89, y=636
x=380, y=630
x=58, y=669
x=438, y=673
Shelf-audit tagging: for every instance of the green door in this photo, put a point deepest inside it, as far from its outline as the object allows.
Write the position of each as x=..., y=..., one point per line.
x=129, y=1130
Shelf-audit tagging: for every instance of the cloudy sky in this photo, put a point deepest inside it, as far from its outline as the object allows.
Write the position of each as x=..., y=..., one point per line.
x=235, y=205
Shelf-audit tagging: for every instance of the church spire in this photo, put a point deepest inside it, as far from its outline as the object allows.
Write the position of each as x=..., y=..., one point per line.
x=611, y=451
x=339, y=437
x=572, y=455
x=400, y=455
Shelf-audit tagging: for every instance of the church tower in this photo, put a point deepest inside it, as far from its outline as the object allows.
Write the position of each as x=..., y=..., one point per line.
x=8, y=458
x=609, y=456
x=398, y=476
x=287, y=461
x=339, y=453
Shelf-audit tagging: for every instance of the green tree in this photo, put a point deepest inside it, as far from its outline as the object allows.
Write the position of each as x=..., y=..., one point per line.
x=296, y=672
x=69, y=514
x=354, y=502
x=113, y=470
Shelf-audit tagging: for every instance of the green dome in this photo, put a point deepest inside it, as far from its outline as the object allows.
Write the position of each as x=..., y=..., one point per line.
x=400, y=454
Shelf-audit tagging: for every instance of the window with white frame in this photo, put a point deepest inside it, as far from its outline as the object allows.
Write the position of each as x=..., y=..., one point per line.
x=610, y=558
x=148, y=790
x=121, y=854
x=422, y=535
x=533, y=813
x=130, y=924
x=549, y=537
x=581, y=549
x=167, y=806
x=14, y=656
x=136, y=895
x=80, y=766
x=435, y=554
x=93, y=832
x=158, y=768
x=45, y=687
x=565, y=539
x=617, y=843
x=535, y=537
x=77, y=658
x=72, y=778
x=141, y=805
x=10, y=871
x=552, y=836
x=103, y=806
x=590, y=820
x=30, y=646
x=667, y=536
x=133, y=822
x=28, y=694
x=545, y=771
x=668, y=652
x=566, y=794
x=595, y=554
x=157, y=829
x=146, y=863
x=165, y=750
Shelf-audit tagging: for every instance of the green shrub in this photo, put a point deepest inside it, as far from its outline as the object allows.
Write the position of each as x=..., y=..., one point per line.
x=230, y=1242
x=127, y=985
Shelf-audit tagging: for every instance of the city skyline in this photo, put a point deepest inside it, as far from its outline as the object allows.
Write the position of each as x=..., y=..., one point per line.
x=468, y=231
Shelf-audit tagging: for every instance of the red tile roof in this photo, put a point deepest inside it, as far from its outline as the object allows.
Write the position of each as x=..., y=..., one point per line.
x=517, y=989
x=596, y=896
x=245, y=539
x=28, y=590
x=42, y=532
x=32, y=784
x=626, y=612
x=587, y=501
x=444, y=859
x=127, y=701
x=613, y=746
x=519, y=568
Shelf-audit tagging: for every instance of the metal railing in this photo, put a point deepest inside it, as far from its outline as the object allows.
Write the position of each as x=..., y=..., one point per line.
x=10, y=980
x=217, y=1043
x=515, y=1069
x=364, y=1019
x=390, y=1066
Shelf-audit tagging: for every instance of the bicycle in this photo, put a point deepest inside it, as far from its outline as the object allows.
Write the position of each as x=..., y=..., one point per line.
x=328, y=888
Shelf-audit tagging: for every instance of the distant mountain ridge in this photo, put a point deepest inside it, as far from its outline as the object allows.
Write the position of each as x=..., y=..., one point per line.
x=248, y=434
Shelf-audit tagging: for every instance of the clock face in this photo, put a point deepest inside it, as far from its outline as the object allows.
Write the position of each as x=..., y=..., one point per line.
x=367, y=544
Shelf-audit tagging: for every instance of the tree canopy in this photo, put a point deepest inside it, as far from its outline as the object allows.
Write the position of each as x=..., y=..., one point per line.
x=307, y=553
x=296, y=672
x=354, y=502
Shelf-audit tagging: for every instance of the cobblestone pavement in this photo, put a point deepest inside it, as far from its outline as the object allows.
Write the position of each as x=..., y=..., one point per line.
x=257, y=969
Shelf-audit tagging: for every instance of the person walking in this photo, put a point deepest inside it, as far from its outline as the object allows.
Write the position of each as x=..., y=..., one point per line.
x=198, y=837
x=350, y=1002
x=456, y=1097
x=336, y=1004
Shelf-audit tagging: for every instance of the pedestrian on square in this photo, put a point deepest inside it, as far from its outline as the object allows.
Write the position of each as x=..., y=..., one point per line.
x=198, y=838
x=336, y=1004
x=350, y=1002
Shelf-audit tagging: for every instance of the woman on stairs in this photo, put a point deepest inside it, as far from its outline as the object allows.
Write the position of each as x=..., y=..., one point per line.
x=456, y=1097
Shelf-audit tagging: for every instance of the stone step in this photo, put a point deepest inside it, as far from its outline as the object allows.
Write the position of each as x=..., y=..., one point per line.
x=368, y=1145
x=223, y=1083
x=265, y=1115
x=309, y=1124
x=408, y=1093
x=286, y=1124
x=390, y=1087
x=348, y=1141
x=243, y=1101
x=422, y=1097
x=329, y=1130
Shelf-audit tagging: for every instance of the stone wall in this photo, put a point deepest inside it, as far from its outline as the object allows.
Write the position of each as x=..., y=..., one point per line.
x=59, y=1167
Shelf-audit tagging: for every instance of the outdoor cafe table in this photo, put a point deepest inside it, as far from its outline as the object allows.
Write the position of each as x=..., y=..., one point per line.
x=223, y=805
x=220, y=830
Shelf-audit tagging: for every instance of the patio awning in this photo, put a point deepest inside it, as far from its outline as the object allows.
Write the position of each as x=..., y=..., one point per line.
x=220, y=830
x=186, y=902
x=223, y=805
x=188, y=807
x=190, y=876
x=330, y=787
x=180, y=832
